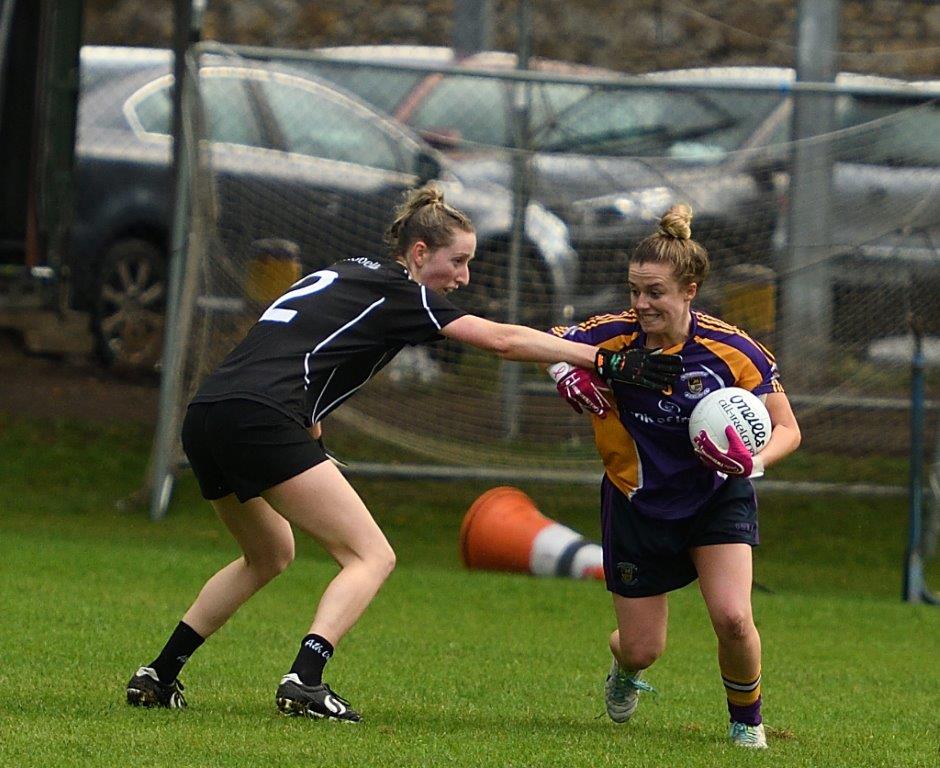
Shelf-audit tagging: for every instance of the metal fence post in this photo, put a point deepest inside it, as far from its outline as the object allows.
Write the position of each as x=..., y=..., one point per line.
x=806, y=291
x=161, y=472
x=510, y=372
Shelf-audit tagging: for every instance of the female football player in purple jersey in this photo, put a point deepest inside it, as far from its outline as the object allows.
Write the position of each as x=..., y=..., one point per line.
x=251, y=431
x=672, y=511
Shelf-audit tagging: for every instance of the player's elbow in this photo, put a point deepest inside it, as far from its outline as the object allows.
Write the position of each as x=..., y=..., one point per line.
x=793, y=439
x=797, y=436
x=504, y=345
x=488, y=335
x=501, y=340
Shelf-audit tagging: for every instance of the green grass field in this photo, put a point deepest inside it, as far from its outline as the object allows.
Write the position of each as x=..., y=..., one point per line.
x=449, y=667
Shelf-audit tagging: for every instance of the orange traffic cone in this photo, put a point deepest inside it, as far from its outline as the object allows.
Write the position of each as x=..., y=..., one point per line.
x=504, y=531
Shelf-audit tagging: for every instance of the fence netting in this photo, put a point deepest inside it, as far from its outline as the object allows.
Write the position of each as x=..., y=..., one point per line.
x=299, y=162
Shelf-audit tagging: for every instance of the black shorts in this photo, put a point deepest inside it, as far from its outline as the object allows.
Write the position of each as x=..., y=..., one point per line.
x=244, y=447
x=646, y=556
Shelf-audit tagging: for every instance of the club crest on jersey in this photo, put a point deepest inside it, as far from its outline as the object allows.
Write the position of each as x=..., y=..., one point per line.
x=695, y=385
x=628, y=573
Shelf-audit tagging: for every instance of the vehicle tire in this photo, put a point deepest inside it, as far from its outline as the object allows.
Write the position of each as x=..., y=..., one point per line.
x=128, y=317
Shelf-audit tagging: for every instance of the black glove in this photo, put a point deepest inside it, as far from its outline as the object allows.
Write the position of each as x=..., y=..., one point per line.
x=641, y=367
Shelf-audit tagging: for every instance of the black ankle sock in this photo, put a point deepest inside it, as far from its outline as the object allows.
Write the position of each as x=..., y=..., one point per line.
x=314, y=652
x=181, y=645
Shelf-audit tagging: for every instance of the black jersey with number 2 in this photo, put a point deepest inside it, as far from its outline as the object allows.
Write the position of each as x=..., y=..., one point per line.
x=327, y=336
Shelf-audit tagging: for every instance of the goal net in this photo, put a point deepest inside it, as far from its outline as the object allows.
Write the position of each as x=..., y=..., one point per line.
x=824, y=248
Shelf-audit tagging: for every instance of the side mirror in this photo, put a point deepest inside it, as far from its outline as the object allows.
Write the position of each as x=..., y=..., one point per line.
x=427, y=167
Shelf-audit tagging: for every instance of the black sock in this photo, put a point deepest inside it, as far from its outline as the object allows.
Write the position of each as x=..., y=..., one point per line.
x=314, y=652
x=181, y=645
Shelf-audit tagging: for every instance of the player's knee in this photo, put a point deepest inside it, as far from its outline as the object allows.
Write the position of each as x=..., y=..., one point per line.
x=639, y=654
x=282, y=559
x=734, y=625
x=272, y=563
x=383, y=561
x=639, y=658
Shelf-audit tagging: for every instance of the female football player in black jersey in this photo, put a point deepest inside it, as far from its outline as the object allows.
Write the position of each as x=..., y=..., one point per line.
x=250, y=433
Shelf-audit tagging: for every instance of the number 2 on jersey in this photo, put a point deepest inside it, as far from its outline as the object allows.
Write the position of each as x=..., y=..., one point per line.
x=321, y=280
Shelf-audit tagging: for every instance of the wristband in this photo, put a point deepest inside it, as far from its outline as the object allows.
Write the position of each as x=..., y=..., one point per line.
x=558, y=371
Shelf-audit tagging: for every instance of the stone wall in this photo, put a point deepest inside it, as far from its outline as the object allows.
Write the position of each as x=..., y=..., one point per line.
x=891, y=37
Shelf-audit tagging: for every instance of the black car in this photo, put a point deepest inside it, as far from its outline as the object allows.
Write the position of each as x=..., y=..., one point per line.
x=293, y=158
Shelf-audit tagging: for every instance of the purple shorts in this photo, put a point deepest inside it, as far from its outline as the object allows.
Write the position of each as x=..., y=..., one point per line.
x=646, y=556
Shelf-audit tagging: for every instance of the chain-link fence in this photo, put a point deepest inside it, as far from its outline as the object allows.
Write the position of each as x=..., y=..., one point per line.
x=301, y=159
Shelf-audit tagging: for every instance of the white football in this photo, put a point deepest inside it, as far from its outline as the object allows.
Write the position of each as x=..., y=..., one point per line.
x=732, y=407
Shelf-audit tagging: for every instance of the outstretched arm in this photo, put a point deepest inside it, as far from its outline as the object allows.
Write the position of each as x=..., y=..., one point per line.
x=518, y=342
x=639, y=367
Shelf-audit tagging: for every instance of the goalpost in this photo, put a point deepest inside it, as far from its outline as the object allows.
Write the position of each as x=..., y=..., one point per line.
x=258, y=215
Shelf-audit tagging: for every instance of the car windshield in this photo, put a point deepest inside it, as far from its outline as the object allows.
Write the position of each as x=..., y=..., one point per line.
x=385, y=88
x=471, y=109
x=696, y=124
x=570, y=117
x=897, y=132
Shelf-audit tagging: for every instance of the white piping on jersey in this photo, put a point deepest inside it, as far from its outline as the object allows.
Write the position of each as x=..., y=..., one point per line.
x=315, y=417
x=322, y=391
x=424, y=302
x=332, y=336
x=717, y=377
x=639, y=470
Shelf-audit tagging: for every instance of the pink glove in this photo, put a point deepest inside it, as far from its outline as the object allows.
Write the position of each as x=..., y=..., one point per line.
x=737, y=460
x=584, y=391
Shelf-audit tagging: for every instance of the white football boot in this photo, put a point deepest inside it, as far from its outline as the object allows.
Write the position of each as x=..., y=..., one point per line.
x=622, y=693
x=749, y=736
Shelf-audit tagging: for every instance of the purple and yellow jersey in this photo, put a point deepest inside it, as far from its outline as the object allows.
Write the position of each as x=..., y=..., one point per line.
x=647, y=453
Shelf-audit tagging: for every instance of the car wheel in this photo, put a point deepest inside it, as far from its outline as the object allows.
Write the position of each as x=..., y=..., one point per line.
x=129, y=312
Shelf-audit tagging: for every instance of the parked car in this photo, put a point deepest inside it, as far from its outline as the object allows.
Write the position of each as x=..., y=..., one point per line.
x=280, y=139
x=608, y=161
x=885, y=194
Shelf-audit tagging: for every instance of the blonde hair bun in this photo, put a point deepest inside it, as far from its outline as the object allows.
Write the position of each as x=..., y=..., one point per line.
x=429, y=194
x=677, y=222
